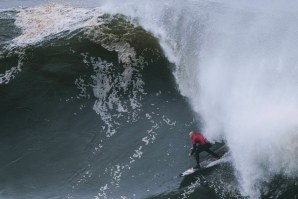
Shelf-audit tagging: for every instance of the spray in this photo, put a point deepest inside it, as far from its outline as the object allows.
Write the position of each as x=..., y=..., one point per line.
x=237, y=64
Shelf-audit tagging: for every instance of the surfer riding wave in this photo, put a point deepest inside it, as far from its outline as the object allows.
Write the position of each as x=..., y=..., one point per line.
x=200, y=144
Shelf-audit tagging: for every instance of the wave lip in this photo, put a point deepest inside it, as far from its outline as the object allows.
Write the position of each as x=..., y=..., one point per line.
x=38, y=23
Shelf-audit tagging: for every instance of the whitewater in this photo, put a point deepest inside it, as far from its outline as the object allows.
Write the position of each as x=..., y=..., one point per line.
x=234, y=61
x=237, y=65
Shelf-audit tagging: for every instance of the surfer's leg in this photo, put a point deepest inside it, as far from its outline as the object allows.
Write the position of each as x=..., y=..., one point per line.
x=197, y=155
x=207, y=149
x=199, y=149
x=212, y=153
x=198, y=158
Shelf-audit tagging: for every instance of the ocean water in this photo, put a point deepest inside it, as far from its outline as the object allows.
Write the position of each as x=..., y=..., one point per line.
x=98, y=97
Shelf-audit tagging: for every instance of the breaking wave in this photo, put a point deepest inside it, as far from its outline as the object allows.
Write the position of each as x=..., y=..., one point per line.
x=128, y=63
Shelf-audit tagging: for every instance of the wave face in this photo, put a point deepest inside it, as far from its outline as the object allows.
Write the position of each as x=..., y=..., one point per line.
x=92, y=103
x=89, y=107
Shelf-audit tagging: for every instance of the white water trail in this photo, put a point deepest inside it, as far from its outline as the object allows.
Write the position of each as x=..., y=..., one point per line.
x=238, y=65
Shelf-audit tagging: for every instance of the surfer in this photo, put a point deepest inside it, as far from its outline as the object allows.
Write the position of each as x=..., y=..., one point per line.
x=200, y=144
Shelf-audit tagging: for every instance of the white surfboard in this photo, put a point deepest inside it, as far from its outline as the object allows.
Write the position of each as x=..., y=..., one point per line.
x=204, y=164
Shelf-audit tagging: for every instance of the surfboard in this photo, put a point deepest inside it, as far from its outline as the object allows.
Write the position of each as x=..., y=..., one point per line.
x=210, y=162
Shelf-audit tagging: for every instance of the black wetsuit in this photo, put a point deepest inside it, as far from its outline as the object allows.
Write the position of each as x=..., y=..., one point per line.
x=197, y=148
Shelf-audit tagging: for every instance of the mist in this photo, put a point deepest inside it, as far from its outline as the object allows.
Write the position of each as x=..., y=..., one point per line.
x=238, y=66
